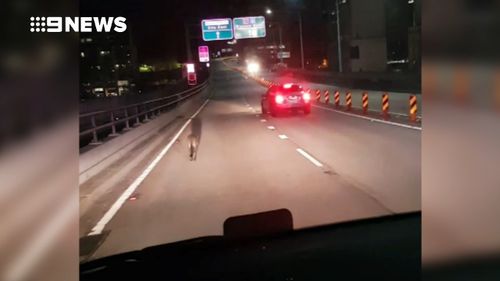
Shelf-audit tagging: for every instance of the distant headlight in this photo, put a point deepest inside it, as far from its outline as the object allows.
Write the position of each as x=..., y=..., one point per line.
x=253, y=67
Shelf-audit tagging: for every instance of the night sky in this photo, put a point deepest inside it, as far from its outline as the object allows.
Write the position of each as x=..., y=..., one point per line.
x=158, y=25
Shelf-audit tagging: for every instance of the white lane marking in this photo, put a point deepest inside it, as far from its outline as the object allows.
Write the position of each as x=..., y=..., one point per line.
x=390, y=112
x=371, y=119
x=283, y=137
x=263, y=120
x=271, y=127
x=99, y=227
x=309, y=157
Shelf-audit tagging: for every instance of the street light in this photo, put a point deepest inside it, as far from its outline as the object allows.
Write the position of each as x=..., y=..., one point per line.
x=339, y=38
x=269, y=12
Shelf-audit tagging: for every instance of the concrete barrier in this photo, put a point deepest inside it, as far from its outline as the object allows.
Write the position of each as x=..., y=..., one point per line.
x=100, y=157
x=399, y=101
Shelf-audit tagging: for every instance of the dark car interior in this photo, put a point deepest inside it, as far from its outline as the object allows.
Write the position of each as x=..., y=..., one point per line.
x=264, y=246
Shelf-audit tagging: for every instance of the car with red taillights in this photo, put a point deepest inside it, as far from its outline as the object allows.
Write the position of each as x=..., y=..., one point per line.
x=285, y=97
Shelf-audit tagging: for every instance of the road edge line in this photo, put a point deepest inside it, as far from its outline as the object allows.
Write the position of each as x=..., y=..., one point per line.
x=106, y=218
x=363, y=117
x=371, y=119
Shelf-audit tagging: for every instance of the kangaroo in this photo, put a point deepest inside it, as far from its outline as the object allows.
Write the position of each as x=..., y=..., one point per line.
x=193, y=146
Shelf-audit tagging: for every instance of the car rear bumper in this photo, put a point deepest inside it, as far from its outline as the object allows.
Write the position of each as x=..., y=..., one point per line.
x=291, y=105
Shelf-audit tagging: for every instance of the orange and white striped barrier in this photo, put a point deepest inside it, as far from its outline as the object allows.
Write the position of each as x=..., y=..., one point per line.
x=318, y=95
x=385, y=106
x=348, y=101
x=364, y=102
x=336, y=98
x=413, y=108
x=327, y=97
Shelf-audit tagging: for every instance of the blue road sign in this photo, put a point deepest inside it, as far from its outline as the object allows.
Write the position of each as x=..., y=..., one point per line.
x=217, y=29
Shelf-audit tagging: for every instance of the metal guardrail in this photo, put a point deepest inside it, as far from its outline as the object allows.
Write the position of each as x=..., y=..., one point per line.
x=130, y=115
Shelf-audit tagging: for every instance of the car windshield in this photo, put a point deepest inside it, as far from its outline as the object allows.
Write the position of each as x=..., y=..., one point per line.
x=177, y=133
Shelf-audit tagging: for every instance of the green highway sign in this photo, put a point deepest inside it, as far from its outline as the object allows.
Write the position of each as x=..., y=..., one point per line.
x=217, y=29
x=249, y=27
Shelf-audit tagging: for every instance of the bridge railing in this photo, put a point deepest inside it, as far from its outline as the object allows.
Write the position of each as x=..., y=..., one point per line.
x=97, y=125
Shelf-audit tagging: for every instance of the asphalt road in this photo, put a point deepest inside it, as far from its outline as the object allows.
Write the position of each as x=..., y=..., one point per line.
x=325, y=168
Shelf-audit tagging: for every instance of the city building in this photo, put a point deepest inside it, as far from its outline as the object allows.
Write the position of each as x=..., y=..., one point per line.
x=376, y=35
x=108, y=65
x=367, y=40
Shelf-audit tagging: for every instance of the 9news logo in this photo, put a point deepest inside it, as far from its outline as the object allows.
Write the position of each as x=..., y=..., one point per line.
x=77, y=24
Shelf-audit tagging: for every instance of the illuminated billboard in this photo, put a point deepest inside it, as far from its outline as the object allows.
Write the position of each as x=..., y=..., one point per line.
x=203, y=54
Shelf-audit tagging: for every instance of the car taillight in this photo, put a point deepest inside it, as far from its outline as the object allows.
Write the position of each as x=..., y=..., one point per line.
x=306, y=96
x=279, y=99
